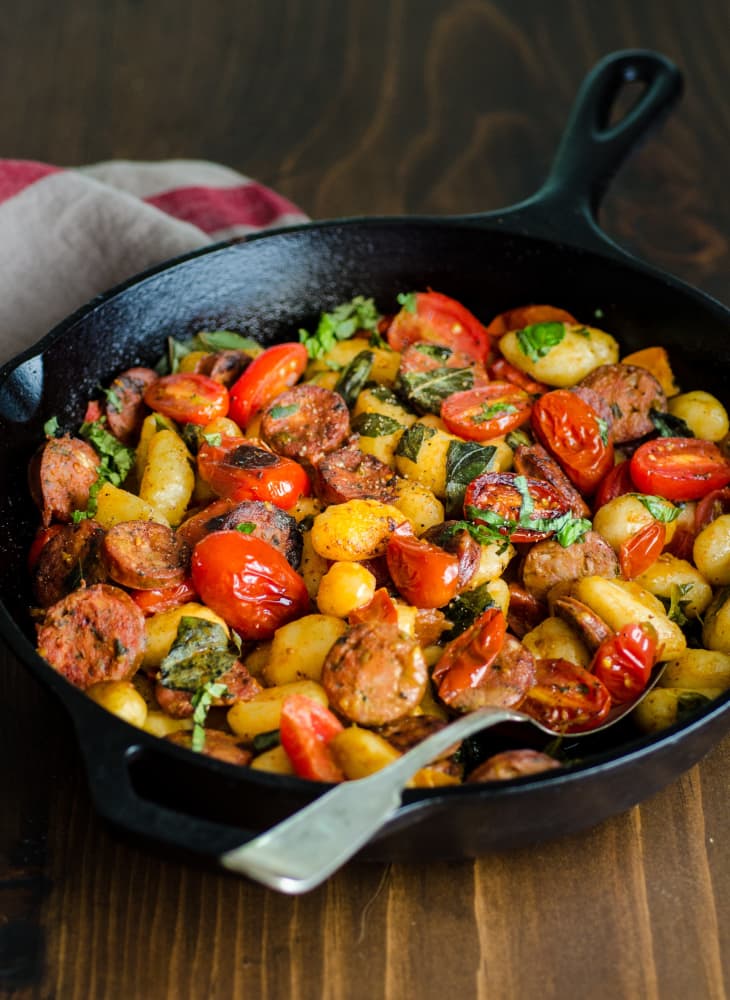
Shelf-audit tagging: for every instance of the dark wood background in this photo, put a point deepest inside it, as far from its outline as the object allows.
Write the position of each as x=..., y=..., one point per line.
x=366, y=107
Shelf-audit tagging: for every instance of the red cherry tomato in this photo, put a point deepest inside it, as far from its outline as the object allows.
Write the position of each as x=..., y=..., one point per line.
x=712, y=506
x=571, y=431
x=486, y=412
x=152, y=602
x=566, y=697
x=417, y=359
x=240, y=470
x=42, y=536
x=615, y=483
x=274, y=370
x=643, y=549
x=679, y=468
x=497, y=494
x=503, y=371
x=94, y=411
x=439, y=320
x=305, y=729
x=187, y=398
x=248, y=583
x=425, y=574
x=624, y=662
x=522, y=316
x=466, y=661
x=380, y=609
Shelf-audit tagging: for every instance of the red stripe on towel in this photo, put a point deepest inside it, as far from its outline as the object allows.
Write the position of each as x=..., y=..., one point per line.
x=15, y=175
x=212, y=209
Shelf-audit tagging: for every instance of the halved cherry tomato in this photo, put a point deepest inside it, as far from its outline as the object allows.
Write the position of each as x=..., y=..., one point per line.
x=425, y=574
x=522, y=316
x=42, y=536
x=624, y=662
x=425, y=357
x=572, y=432
x=496, y=494
x=486, y=412
x=616, y=483
x=641, y=550
x=381, y=608
x=679, y=468
x=711, y=507
x=305, y=729
x=248, y=583
x=152, y=602
x=274, y=370
x=187, y=398
x=466, y=661
x=503, y=371
x=567, y=698
x=439, y=320
x=239, y=469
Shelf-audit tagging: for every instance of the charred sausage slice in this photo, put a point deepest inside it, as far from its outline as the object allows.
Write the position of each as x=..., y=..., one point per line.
x=94, y=634
x=631, y=392
x=221, y=746
x=125, y=406
x=525, y=611
x=145, y=555
x=592, y=628
x=513, y=764
x=506, y=682
x=374, y=674
x=270, y=523
x=548, y=563
x=350, y=474
x=534, y=461
x=224, y=366
x=306, y=423
x=71, y=559
x=61, y=473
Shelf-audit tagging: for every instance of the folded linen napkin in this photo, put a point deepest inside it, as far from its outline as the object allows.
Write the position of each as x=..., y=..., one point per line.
x=69, y=234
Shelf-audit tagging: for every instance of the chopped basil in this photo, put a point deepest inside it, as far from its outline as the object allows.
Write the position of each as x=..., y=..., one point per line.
x=426, y=391
x=116, y=462
x=573, y=529
x=246, y=527
x=266, y=741
x=213, y=439
x=408, y=301
x=278, y=412
x=374, y=425
x=226, y=340
x=192, y=435
x=354, y=377
x=464, y=610
x=582, y=331
x=677, y=606
x=51, y=427
x=199, y=655
x=201, y=701
x=342, y=323
x=465, y=460
x=491, y=410
x=410, y=443
x=659, y=508
x=566, y=529
x=113, y=402
x=539, y=339
x=437, y=352
x=515, y=438
x=382, y=393
x=668, y=425
x=602, y=430
x=689, y=702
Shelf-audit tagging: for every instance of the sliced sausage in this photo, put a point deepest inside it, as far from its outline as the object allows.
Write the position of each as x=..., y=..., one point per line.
x=534, y=461
x=409, y=732
x=125, y=406
x=270, y=522
x=597, y=403
x=224, y=366
x=374, y=674
x=591, y=627
x=240, y=684
x=460, y=544
x=306, y=423
x=506, y=682
x=61, y=473
x=350, y=474
x=630, y=392
x=525, y=611
x=548, y=563
x=145, y=555
x=221, y=746
x=70, y=559
x=93, y=634
x=512, y=764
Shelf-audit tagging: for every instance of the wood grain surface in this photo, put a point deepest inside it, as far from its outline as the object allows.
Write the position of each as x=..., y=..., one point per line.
x=366, y=107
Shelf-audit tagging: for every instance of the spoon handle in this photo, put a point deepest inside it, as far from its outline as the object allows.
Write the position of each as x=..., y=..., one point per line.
x=299, y=853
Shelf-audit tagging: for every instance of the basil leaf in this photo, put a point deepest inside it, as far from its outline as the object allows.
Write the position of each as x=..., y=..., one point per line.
x=572, y=530
x=116, y=459
x=464, y=609
x=199, y=655
x=382, y=393
x=169, y=363
x=192, y=435
x=437, y=352
x=342, y=323
x=277, y=412
x=374, y=425
x=407, y=300
x=51, y=427
x=113, y=401
x=668, y=425
x=659, y=508
x=539, y=339
x=201, y=702
x=410, y=443
x=602, y=430
x=226, y=340
x=690, y=702
x=677, y=606
x=266, y=741
x=491, y=410
x=354, y=377
x=426, y=391
x=515, y=438
x=246, y=527
x=465, y=460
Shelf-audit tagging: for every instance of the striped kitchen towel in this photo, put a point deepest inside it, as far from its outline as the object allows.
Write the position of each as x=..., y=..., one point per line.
x=69, y=234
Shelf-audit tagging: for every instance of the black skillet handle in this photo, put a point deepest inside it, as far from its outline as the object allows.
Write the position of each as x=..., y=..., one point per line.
x=592, y=149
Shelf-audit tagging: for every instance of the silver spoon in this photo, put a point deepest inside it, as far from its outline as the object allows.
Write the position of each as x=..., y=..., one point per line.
x=303, y=850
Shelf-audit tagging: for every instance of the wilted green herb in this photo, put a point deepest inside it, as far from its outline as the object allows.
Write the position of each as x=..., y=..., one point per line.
x=539, y=339
x=659, y=508
x=277, y=412
x=375, y=425
x=354, y=377
x=51, y=427
x=408, y=301
x=201, y=701
x=412, y=440
x=668, y=425
x=426, y=391
x=465, y=460
x=200, y=654
x=246, y=527
x=342, y=323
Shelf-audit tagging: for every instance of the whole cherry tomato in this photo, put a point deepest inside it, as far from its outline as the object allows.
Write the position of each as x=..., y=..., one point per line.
x=305, y=729
x=486, y=412
x=575, y=436
x=274, y=370
x=248, y=583
x=567, y=698
x=425, y=574
x=239, y=469
x=679, y=468
x=642, y=550
x=624, y=662
x=467, y=660
x=522, y=316
x=152, y=602
x=439, y=319
x=615, y=483
x=187, y=398
x=499, y=496
x=503, y=371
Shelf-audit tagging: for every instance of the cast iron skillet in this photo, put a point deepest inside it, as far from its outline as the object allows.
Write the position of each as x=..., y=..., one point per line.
x=546, y=249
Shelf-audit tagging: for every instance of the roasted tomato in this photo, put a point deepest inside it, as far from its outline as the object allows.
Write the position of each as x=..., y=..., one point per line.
x=152, y=602
x=624, y=662
x=380, y=609
x=615, y=483
x=425, y=574
x=519, y=508
x=239, y=469
x=503, y=371
x=274, y=370
x=305, y=729
x=248, y=583
x=42, y=536
x=522, y=316
x=438, y=319
x=188, y=398
x=641, y=550
x=567, y=698
x=679, y=468
x=467, y=660
x=575, y=436
x=712, y=506
x=486, y=412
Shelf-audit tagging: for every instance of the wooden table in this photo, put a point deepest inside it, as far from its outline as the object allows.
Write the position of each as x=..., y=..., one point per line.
x=367, y=106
